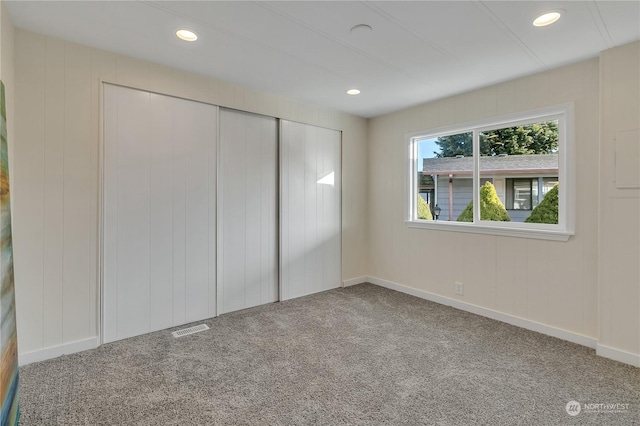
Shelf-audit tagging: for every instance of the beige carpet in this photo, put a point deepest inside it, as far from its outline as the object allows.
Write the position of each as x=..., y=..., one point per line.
x=360, y=355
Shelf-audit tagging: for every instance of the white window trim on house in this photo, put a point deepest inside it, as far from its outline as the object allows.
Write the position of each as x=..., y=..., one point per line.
x=566, y=176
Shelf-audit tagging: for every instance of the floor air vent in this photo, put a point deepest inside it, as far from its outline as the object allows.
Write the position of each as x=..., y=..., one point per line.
x=190, y=330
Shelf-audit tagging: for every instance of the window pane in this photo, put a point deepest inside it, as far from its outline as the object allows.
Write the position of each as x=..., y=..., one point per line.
x=447, y=161
x=548, y=184
x=522, y=194
x=516, y=159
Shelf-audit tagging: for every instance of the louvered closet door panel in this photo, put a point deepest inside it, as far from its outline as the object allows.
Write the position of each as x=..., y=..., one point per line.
x=310, y=212
x=247, y=262
x=159, y=209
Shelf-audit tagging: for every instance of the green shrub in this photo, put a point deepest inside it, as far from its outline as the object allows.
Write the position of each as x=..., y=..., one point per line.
x=491, y=208
x=424, y=212
x=547, y=210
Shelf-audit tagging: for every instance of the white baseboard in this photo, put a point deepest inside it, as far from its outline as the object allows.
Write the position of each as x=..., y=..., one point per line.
x=489, y=313
x=56, y=351
x=618, y=355
x=354, y=281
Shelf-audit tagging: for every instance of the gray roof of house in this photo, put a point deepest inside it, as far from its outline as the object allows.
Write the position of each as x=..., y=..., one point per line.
x=535, y=163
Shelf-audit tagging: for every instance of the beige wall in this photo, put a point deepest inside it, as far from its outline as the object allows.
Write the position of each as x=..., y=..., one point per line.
x=546, y=282
x=619, y=278
x=56, y=184
x=6, y=75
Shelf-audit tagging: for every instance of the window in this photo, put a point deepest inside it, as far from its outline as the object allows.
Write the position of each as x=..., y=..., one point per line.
x=526, y=194
x=548, y=184
x=509, y=175
x=522, y=194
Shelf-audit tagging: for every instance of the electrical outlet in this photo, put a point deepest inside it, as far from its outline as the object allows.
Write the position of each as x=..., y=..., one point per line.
x=459, y=288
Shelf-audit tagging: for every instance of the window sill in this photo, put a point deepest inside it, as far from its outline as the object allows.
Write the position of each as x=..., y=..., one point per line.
x=538, y=234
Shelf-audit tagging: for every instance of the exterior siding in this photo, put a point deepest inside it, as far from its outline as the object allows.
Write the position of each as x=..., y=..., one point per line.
x=462, y=195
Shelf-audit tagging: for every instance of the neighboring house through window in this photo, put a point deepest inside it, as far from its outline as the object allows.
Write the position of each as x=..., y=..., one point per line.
x=503, y=171
x=523, y=156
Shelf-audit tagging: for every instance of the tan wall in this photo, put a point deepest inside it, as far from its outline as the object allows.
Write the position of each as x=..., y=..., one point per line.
x=547, y=282
x=619, y=278
x=56, y=184
x=7, y=31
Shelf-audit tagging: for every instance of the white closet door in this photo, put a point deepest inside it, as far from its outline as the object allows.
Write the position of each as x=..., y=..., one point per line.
x=159, y=206
x=247, y=260
x=310, y=212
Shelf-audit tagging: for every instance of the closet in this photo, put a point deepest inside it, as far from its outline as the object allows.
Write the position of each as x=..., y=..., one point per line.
x=159, y=212
x=207, y=210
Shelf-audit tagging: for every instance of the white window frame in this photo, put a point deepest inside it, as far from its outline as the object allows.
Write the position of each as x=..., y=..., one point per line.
x=566, y=176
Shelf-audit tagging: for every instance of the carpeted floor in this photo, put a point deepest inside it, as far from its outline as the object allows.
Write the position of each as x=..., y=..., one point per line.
x=359, y=355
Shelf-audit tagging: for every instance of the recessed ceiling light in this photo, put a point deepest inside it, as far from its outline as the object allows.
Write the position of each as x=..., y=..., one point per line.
x=546, y=19
x=353, y=92
x=186, y=35
x=361, y=30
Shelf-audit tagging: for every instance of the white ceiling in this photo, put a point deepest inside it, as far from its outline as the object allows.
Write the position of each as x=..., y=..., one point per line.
x=418, y=50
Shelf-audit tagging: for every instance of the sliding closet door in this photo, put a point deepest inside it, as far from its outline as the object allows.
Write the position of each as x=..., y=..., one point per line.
x=310, y=244
x=247, y=260
x=159, y=206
